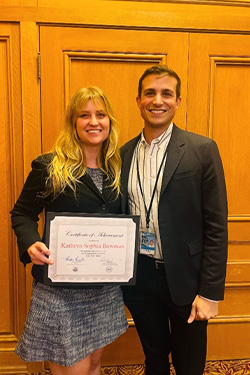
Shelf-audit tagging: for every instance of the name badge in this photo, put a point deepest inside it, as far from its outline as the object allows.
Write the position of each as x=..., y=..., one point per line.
x=148, y=243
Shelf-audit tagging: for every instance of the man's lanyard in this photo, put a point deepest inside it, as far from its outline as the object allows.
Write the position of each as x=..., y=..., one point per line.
x=154, y=190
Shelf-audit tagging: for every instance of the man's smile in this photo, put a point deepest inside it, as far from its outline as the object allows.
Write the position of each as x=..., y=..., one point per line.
x=157, y=111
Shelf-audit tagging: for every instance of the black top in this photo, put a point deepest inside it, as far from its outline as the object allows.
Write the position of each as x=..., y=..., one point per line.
x=31, y=203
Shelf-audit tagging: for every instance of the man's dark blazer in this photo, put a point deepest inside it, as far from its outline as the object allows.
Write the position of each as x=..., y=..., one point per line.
x=192, y=215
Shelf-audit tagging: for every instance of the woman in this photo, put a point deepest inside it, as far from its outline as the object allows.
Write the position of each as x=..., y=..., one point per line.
x=69, y=327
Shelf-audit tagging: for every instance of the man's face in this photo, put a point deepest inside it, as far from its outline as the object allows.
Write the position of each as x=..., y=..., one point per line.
x=158, y=102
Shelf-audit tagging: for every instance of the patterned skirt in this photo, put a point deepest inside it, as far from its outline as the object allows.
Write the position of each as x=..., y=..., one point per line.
x=66, y=325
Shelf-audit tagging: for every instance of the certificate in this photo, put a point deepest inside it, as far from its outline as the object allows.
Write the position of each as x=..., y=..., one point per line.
x=91, y=248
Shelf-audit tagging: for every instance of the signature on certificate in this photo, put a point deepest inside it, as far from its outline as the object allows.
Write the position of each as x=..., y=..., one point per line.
x=74, y=260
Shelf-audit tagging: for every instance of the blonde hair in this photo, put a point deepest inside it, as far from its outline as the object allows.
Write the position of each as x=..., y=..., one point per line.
x=68, y=164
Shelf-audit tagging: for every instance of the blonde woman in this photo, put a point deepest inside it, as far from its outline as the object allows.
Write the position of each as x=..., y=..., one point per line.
x=67, y=326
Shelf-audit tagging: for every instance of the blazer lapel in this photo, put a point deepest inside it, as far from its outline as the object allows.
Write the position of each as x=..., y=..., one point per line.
x=87, y=180
x=174, y=156
x=127, y=155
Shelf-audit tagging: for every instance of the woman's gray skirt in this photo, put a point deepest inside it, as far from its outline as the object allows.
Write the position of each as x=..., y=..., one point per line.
x=66, y=325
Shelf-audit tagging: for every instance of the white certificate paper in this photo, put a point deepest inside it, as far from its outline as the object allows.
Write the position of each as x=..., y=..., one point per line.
x=92, y=249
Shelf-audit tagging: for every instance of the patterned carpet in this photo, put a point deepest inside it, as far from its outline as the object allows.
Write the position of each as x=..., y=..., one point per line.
x=239, y=367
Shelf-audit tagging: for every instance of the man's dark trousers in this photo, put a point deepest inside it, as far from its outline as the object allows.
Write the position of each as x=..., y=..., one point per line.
x=162, y=325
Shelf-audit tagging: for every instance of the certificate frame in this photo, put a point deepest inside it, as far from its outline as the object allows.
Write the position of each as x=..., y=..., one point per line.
x=91, y=249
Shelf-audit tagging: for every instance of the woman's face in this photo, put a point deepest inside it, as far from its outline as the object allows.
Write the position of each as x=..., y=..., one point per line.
x=92, y=125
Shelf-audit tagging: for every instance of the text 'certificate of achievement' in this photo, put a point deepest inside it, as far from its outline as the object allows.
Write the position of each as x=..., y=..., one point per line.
x=91, y=249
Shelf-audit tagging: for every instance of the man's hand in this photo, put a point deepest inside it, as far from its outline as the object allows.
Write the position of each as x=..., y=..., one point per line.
x=203, y=309
x=38, y=252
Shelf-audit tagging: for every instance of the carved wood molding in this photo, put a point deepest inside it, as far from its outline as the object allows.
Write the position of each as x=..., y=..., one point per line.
x=103, y=56
x=218, y=320
x=199, y=2
x=229, y=16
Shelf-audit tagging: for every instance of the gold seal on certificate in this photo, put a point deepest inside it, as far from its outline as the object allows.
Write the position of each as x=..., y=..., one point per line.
x=91, y=248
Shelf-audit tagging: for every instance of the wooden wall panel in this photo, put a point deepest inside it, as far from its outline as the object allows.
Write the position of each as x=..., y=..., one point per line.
x=229, y=125
x=166, y=16
x=231, y=337
x=112, y=59
x=9, y=2
x=12, y=301
x=5, y=117
x=218, y=107
x=29, y=39
x=18, y=2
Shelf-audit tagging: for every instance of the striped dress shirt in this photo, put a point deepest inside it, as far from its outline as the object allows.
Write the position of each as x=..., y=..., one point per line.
x=149, y=160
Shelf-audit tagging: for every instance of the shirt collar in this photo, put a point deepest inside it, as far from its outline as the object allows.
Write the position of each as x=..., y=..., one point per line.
x=160, y=139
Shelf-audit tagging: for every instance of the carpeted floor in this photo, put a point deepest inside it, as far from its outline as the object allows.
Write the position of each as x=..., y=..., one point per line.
x=212, y=368
x=236, y=367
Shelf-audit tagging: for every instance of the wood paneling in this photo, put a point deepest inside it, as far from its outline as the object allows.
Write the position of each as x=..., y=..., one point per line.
x=112, y=59
x=218, y=96
x=229, y=125
x=110, y=43
x=232, y=336
x=219, y=89
x=214, y=2
x=142, y=15
x=30, y=92
x=5, y=118
x=18, y=2
x=12, y=291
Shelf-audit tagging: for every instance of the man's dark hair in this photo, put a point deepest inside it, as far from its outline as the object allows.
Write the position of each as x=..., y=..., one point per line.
x=160, y=70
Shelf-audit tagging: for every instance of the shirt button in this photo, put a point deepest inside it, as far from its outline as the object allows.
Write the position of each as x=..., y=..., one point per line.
x=104, y=207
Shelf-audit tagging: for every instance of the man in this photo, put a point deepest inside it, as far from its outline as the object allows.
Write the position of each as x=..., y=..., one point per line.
x=174, y=180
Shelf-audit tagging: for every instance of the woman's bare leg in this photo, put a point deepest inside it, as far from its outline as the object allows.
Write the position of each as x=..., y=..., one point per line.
x=90, y=365
x=80, y=368
x=95, y=367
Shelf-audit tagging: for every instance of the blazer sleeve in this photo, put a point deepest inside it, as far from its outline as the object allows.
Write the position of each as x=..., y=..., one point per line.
x=215, y=214
x=25, y=213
